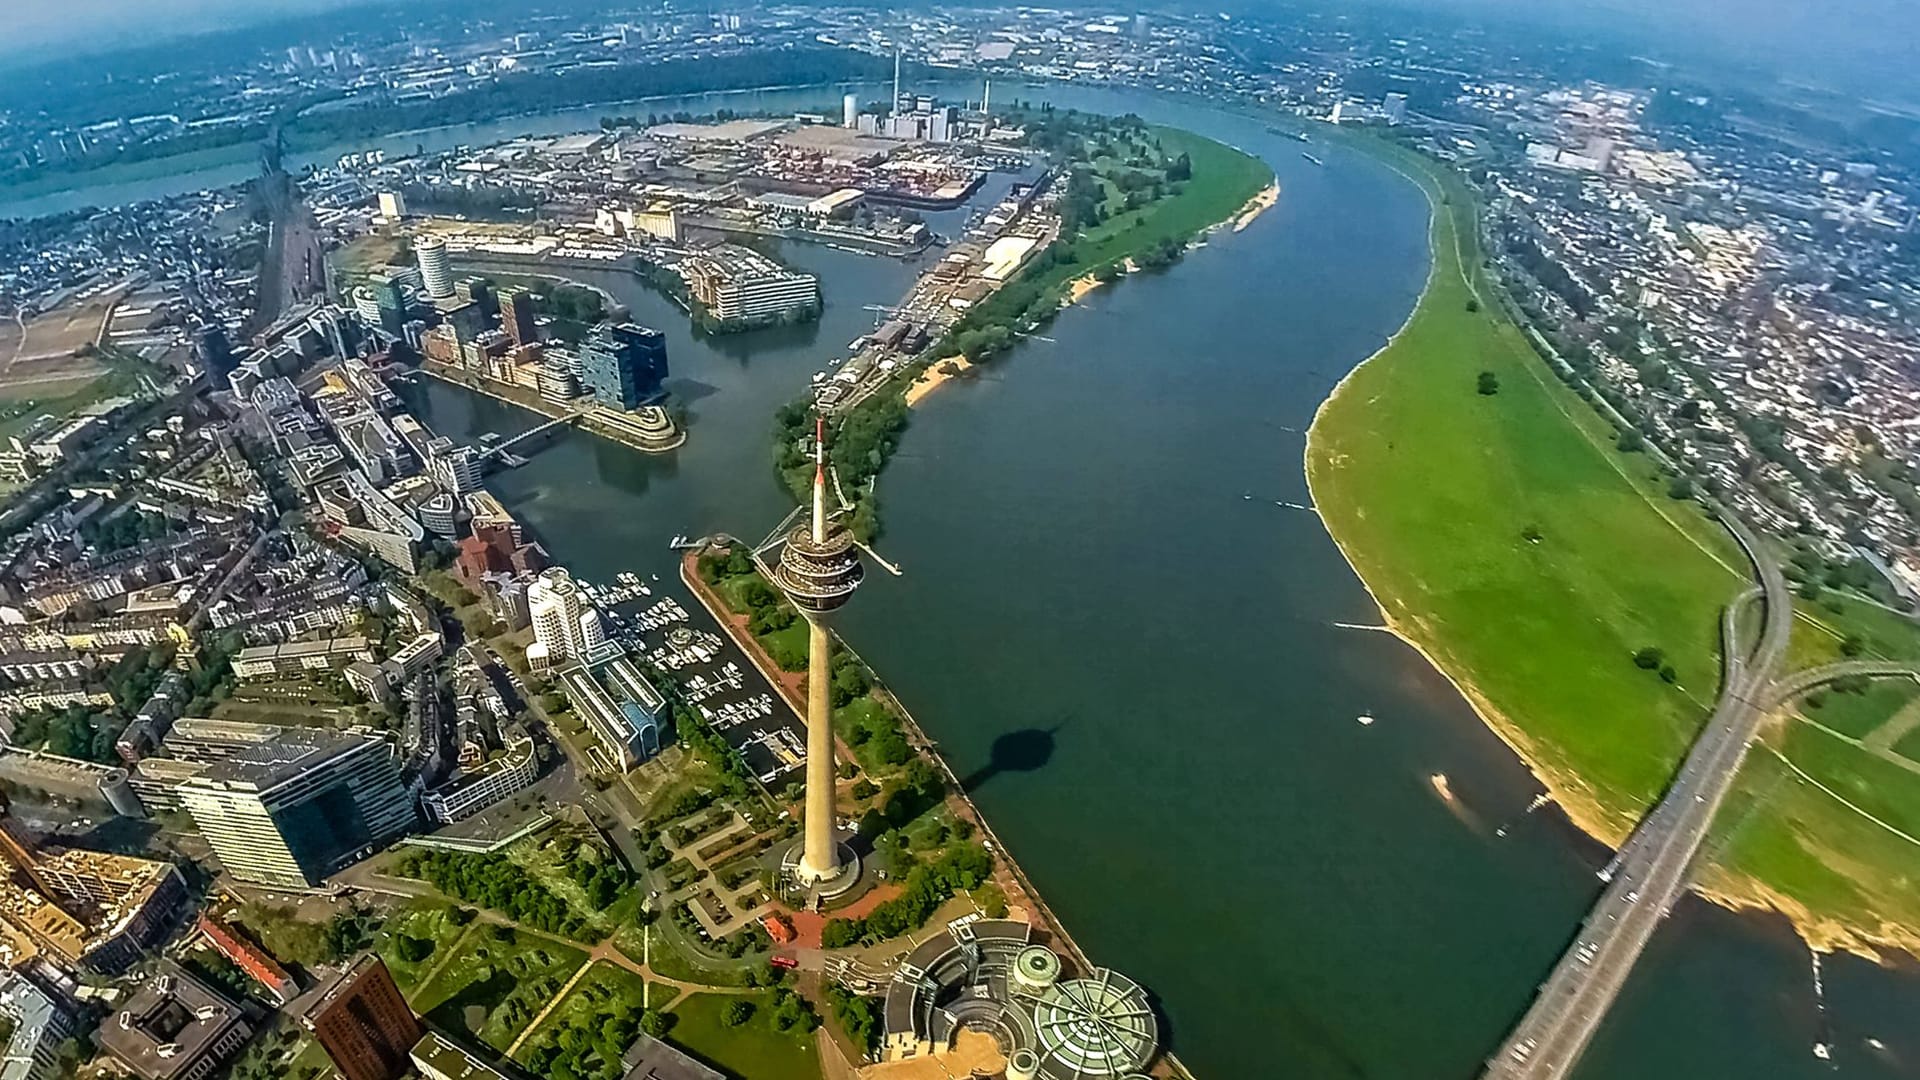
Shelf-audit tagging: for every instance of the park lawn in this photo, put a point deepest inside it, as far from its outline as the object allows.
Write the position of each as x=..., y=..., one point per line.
x=1859, y=714
x=752, y=1051
x=602, y=989
x=1811, y=851
x=491, y=988
x=1909, y=746
x=671, y=959
x=541, y=856
x=1431, y=489
x=429, y=920
x=729, y=590
x=370, y=254
x=786, y=644
x=1885, y=634
x=24, y=402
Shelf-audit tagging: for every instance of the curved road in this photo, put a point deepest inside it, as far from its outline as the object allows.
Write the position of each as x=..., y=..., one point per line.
x=1650, y=871
x=1783, y=692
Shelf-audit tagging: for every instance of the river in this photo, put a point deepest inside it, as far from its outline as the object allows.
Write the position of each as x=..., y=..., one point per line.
x=1114, y=624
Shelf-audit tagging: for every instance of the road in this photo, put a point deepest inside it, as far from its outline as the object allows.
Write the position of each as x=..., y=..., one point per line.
x=1650, y=872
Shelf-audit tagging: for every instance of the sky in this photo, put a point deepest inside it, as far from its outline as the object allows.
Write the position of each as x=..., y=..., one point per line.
x=1854, y=41
x=1805, y=36
x=33, y=24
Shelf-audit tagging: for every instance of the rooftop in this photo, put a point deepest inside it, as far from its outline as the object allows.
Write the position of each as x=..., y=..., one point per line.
x=650, y=1059
x=169, y=1024
x=292, y=753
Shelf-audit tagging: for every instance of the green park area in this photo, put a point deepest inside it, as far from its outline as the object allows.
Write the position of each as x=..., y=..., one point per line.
x=1542, y=561
x=749, y=1036
x=494, y=981
x=584, y=1033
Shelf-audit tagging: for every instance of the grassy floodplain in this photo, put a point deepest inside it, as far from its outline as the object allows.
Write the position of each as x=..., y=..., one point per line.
x=1505, y=537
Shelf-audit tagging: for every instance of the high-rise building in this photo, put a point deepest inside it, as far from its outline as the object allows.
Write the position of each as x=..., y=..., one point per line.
x=364, y=1023
x=1394, y=108
x=393, y=205
x=213, y=351
x=390, y=300
x=292, y=809
x=477, y=291
x=623, y=366
x=565, y=625
x=850, y=110
x=819, y=570
x=517, y=316
x=436, y=272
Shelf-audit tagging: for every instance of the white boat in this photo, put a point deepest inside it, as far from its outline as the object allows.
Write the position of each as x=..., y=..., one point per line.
x=1366, y=719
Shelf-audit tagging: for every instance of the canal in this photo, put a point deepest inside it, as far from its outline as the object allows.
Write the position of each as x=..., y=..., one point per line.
x=1116, y=618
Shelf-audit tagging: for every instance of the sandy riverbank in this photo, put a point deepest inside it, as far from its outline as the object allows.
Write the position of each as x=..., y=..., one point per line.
x=1257, y=205
x=936, y=376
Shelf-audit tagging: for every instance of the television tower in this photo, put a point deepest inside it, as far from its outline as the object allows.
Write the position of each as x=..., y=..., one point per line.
x=819, y=569
x=894, y=110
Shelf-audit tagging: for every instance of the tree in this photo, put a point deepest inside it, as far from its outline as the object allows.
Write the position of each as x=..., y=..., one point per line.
x=1473, y=305
x=737, y=1012
x=839, y=933
x=1649, y=658
x=1489, y=383
x=1852, y=645
x=412, y=949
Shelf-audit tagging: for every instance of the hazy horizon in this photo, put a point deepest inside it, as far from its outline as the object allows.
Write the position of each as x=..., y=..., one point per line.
x=111, y=22
x=1845, y=41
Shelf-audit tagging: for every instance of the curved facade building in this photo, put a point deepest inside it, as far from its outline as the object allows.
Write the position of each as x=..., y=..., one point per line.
x=436, y=270
x=989, y=976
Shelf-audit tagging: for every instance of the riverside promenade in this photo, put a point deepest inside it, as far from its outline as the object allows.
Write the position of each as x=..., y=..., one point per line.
x=1022, y=891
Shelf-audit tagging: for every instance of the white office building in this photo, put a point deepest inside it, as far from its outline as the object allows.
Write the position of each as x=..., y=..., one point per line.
x=474, y=791
x=565, y=625
x=457, y=468
x=38, y=1027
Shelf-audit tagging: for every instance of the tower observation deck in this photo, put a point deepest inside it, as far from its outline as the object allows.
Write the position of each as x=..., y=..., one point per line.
x=819, y=570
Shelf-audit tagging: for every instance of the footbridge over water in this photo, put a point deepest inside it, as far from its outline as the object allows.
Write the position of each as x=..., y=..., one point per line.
x=530, y=434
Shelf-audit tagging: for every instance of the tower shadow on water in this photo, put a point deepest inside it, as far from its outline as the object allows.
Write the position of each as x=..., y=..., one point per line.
x=1025, y=750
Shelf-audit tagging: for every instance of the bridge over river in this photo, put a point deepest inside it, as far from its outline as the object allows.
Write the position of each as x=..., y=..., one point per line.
x=1650, y=872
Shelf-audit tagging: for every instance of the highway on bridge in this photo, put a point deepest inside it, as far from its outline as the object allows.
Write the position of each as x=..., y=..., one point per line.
x=1650, y=871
